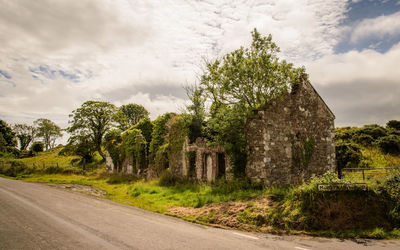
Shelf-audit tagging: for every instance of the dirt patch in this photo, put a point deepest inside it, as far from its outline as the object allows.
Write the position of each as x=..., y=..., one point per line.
x=341, y=210
x=239, y=214
x=80, y=188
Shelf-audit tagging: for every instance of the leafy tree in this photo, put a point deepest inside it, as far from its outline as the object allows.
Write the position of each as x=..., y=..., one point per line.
x=158, y=135
x=93, y=119
x=114, y=146
x=146, y=126
x=251, y=77
x=25, y=134
x=82, y=146
x=130, y=114
x=197, y=111
x=7, y=137
x=48, y=131
x=242, y=81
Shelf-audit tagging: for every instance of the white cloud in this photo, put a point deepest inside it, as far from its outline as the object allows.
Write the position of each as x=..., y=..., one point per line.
x=378, y=27
x=117, y=50
x=360, y=87
x=354, y=65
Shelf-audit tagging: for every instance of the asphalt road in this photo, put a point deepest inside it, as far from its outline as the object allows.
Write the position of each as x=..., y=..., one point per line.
x=36, y=216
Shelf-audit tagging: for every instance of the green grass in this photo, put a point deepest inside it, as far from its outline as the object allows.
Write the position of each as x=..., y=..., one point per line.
x=48, y=158
x=286, y=215
x=149, y=195
x=373, y=158
x=293, y=209
x=49, y=162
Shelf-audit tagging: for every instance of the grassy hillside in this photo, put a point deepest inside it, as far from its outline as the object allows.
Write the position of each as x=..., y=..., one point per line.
x=49, y=162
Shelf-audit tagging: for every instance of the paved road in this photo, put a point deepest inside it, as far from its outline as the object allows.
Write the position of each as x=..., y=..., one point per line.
x=35, y=216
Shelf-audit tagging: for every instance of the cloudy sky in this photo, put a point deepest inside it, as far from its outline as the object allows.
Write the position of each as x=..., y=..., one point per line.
x=56, y=54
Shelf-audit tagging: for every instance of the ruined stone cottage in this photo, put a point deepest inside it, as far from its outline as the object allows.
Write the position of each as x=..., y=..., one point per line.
x=291, y=138
x=288, y=140
x=201, y=162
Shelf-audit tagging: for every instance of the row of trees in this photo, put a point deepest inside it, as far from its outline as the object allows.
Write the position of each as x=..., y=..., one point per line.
x=90, y=123
x=235, y=85
x=24, y=135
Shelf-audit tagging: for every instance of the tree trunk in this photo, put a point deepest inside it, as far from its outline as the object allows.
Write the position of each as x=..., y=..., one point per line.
x=101, y=153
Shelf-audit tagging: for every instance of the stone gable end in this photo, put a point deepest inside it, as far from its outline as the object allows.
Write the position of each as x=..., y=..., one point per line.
x=291, y=139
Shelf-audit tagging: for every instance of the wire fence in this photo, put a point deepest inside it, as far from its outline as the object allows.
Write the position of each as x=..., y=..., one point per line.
x=363, y=174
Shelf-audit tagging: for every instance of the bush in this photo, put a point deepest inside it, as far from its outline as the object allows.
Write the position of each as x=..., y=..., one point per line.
x=345, y=133
x=348, y=154
x=393, y=124
x=14, y=168
x=37, y=147
x=391, y=188
x=365, y=140
x=375, y=131
x=389, y=144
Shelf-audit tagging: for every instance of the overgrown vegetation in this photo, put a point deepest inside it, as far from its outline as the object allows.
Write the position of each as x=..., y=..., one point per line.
x=235, y=86
x=370, y=146
x=372, y=213
x=241, y=82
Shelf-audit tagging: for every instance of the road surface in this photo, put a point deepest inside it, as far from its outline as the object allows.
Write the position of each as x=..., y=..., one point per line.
x=36, y=216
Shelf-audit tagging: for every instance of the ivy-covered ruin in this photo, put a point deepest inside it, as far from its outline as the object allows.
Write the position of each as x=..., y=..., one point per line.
x=264, y=121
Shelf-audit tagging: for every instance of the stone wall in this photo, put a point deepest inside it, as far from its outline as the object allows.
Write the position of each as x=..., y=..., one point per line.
x=207, y=165
x=280, y=137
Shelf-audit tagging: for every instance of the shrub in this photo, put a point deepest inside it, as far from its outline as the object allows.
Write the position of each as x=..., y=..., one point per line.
x=389, y=144
x=393, y=124
x=14, y=168
x=348, y=154
x=375, y=131
x=345, y=133
x=37, y=147
x=391, y=188
x=365, y=140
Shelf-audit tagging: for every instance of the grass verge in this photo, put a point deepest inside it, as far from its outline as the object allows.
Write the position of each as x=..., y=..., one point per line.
x=244, y=206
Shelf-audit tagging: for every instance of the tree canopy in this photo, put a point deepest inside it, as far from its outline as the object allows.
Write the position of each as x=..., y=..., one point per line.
x=48, y=131
x=94, y=119
x=130, y=114
x=7, y=137
x=25, y=134
x=240, y=82
x=251, y=77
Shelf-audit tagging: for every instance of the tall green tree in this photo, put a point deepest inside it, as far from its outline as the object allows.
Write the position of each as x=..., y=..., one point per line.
x=7, y=137
x=197, y=110
x=25, y=135
x=48, y=131
x=241, y=82
x=130, y=114
x=93, y=118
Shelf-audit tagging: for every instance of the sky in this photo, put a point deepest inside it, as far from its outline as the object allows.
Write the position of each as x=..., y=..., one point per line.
x=57, y=54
